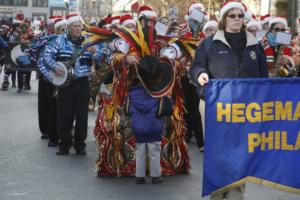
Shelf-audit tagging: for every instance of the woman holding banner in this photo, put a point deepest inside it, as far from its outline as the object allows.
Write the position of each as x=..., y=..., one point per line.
x=231, y=52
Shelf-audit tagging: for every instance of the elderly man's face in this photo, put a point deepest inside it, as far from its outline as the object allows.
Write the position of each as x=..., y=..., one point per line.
x=75, y=29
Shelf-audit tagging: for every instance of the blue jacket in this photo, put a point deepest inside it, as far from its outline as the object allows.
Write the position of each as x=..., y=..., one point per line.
x=61, y=49
x=215, y=57
x=143, y=109
x=3, y=43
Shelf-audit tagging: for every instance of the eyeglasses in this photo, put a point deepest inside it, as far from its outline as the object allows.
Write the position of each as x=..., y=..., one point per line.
x=279, y=29
x=233, y=16
x=252, y=30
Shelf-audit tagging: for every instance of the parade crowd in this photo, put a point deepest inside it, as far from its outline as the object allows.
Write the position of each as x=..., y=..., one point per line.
x=144, y=75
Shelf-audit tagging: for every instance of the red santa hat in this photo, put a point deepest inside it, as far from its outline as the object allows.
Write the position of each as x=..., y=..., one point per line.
x=20, y=15
x=278, y=20
x=115, y=20
x=146, y=11
x=71, y=18
x=19, y=19
x=253, y=23
x=59, y=22
x=51, y=19
x=265, y=19
x=211, y=23
x=126, y=19
x=230, y=5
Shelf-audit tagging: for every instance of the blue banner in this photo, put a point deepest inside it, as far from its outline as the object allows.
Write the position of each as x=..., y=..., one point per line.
x=252, y=134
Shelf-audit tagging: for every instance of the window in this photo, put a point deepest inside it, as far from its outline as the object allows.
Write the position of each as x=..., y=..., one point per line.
x=14, y=2
x=40, y=3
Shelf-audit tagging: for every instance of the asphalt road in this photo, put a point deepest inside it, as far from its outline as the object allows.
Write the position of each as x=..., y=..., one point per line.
x=29, y=170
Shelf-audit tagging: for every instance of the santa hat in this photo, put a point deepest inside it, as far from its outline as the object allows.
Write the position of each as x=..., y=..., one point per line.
x=265, y=19
x=20, y=15
x=208, y=24
x=126, y=19
x=60, y=22
x=230, y=5
x=146, y=11
x=115, y=20
x=51, y=19
x=253, y=23
x=198, y=6
x=71, y=18
x=278, y=20
x=19, y=19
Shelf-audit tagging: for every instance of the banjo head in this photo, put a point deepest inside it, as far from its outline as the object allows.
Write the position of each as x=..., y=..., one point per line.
x=59, y=80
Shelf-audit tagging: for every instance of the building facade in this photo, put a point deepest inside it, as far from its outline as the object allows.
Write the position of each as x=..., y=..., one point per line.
x=95, y=8
x=30, y=8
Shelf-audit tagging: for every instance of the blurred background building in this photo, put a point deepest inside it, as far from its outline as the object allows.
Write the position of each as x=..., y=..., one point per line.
x=173, y=9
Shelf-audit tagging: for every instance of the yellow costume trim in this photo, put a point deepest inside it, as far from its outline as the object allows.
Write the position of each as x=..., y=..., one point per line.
x=257, y=181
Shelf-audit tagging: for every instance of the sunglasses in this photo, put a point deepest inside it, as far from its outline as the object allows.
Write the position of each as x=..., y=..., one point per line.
x=279, y=29
x=252, y=30
x=233, y=16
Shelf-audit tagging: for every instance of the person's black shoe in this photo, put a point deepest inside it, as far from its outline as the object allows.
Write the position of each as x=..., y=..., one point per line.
x=140, y=180
x=62, y=152
x=52, y=143
x=156, y=180
x=188, y=140
x=44, y=136
x=81, y=152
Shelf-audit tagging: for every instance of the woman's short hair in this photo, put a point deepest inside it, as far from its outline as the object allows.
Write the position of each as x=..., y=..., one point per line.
x=222, y=22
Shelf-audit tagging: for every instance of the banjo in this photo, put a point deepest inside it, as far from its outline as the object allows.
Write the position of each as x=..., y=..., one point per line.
x=67, y=67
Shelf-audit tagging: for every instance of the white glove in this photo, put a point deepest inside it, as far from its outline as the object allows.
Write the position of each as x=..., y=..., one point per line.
x=203, y=79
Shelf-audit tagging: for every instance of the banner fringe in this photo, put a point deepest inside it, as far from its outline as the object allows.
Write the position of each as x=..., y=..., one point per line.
x=257, y=181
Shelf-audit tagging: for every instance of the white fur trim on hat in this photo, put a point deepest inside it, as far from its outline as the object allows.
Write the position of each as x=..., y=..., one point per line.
x=147, y=13
x=115, y=21
x=195, y=6
x=16, y=21
x=73, y=19
x=60, y=23
x=278, y=20
x=253, y=23
x=266, y=20
x=229, y=6
x=128, y=21
x=208, y=24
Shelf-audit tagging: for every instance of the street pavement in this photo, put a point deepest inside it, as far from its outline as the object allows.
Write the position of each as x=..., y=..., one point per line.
x=29, y=170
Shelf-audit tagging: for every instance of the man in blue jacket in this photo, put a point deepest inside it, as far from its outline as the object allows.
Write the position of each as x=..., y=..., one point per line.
x=73, y=98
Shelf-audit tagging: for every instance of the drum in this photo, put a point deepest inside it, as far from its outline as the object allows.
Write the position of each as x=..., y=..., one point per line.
x=64, y=80
x=18, y=59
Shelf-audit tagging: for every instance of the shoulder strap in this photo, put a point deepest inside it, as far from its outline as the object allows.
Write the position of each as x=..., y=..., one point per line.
x=207, y=45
